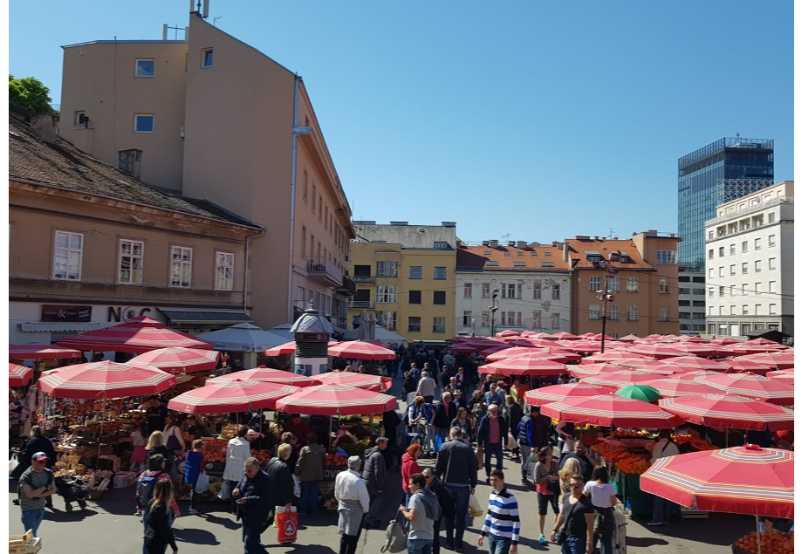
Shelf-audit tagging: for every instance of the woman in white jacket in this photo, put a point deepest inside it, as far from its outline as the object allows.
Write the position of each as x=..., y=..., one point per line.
x=237, y=451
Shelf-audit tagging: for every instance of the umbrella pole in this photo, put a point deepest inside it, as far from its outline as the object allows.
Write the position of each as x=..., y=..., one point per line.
x=757, y=528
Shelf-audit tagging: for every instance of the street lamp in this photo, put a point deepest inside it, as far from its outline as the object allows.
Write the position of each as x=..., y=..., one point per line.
x=493, y=310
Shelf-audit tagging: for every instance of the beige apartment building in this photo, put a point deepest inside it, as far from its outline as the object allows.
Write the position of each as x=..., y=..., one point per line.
x=91, y=246
x=213, y=118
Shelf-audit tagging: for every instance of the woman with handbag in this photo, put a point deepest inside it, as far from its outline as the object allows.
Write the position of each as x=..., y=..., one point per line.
x=547, y=486
x=602, y=496
x=574, y=528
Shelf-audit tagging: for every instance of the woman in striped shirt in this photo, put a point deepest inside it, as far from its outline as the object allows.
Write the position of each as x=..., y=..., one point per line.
x=502, y=524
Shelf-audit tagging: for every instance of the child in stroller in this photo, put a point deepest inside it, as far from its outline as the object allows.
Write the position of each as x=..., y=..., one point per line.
x=72, y=490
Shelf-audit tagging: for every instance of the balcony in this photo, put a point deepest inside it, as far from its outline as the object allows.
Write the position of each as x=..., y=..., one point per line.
x=347, y=288
x=361, y=304
x=364, y=279
x=325, y=274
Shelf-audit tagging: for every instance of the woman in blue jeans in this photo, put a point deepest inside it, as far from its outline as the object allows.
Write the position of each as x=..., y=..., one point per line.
x=576, y=520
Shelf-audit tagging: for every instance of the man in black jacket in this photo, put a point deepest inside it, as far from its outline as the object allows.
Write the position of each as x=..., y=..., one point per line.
x=375, y=476
x=253, y=499
x=444, y=414
x=281, y=483
x=456, y=468
x=491, y=436
x=444, y=499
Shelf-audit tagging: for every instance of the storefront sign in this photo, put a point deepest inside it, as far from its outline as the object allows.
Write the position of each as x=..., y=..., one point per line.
x=118, y=314
x=68, y=313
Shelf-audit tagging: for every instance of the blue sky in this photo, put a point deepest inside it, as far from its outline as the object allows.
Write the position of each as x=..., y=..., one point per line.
x=519, y=120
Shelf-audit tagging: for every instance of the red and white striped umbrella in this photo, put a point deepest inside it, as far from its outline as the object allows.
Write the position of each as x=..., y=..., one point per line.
x=724, y=411
x=725, y=340
x=580, y=346
x=776, y=391
x=268, y=374
x=19, y=375
x=336, y=400
x=104, y=379
x=782, y=359
x=527, y=366
x=562, y=335
x=698, y=349
x=178, y=359
x=746, y=348
x=610, y=410
x=741, y=364
x=629, y=338
x=613, y=356
x=556, y=393
x=360, y=380
x=41, y=352
x=508, y=333
x=784, y=374
x=288, y=348
x=513, y=351
x=621, y=378
x=137, y=335
x=589, y=370
x=694, y=375
x=695, y=363
x=681, y=387
x=360, y=350
x=231, y=396
x=657, y=350
x=766, y=342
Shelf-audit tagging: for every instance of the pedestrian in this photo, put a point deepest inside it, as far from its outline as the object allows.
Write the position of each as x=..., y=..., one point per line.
x=525, y=431
x=490, y=436
x=309, y=471
x=411, y=378
x=456, y=467
x=353, y=502
x=375, y=474
x=192, y=470
x=662, y=510
x=547, y=486
x=514, y=413
x=390, y=423
x=574, y=527
x=566, y=434
x=495, y=395
x=464, y=422
x=444, y=414
x=436, y=486
x=409, y=467
x=158, y=520
x=602, y=496
x=420, y=515
x=570, y=469
x=36, y=485
x=502, y=524
x=291, y=439
x=580, y=455
x=426, y=387
x=253, y=498
x=156, y=445
x=238, y=451
x=138, y=441
x=37, y=442
x=280, y=476
x=542, y=429
x=146, y=482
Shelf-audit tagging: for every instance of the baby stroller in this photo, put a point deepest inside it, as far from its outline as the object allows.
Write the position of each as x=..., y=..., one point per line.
x=72, y=490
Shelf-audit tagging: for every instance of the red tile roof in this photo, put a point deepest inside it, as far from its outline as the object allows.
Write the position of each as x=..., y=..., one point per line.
x=511, y=258
x=578, y=250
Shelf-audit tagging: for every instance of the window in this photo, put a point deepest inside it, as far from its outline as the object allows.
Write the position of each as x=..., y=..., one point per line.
x=745, y=246
x=131, y=261
x=732, y=249
x=772, y=263
x=485, y=290
x=144, y=123
x=758, y=308
x=536, y=294
x=536, y=322
x=745, y=309
x=612, y=284
x=772, y=286
x=612, y=312
x=732, y=269
x=662, y=285
x=224, y=271
x=416, y=272
x=721, y=291
x=207, y=58
x=361, y=272
x=145, y=67
x=485, y=319
x=632, y=283
x=314, y=198
x=710, y=254
x=662, y=313
x=414, y=297
x=439, y=297
x=732, y=309
x=757, y=243
x=771, y=217
x=732, y=290
x=441, y=245
x=632, y=312
x=413, y=325
x=130, y=161
x=757, y=287
x=710, y=273
x=467, y=290
x=385, y=295
x=303, y=242
x=720, y=251
x=594, y=312
x=595, y=283
x=772, y=242
x=743, y=289
x=306, y=186
x=772, y=309
x=439, y=273
x=744, y=268
x=467, y=318
x=68, y=251
x=80, y=120
x=386, y=269
x=180, y=266
x=758, y=266
x=699, y=303
x=665, y=257
x=711, y=292
x=555, y=292
x=721, y=271
x=438, y=324
x=390, y=320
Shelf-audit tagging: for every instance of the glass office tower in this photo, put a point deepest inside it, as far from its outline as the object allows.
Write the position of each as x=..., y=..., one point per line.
x=719, y=172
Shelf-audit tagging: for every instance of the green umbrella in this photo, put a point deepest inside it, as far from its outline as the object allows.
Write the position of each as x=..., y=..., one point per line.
x=639, y=392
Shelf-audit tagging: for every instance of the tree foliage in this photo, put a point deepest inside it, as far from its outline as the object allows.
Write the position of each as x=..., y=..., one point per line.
x=28, y=97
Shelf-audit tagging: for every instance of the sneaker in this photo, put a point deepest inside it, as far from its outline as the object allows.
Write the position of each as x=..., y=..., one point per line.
x=541, y=540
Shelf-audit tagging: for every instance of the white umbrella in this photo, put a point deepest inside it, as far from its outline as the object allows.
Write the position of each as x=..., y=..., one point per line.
x=242, y=337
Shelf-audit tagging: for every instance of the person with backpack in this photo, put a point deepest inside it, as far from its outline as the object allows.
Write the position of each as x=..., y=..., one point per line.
x=158, y=522
x=420, y=512
x=502, y=524
x=434, y=485
x=36, y=485
x=146, y=482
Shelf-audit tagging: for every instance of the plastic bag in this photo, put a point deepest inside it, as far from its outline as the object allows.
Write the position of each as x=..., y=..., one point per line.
x=286, y=522
x=202, y=484
x=225, y=491
x=474, y=508
x=296, y=487
x=13, y=463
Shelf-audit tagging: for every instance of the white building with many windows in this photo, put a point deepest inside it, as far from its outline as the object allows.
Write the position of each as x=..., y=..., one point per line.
x=531, y=284
x=749, y=264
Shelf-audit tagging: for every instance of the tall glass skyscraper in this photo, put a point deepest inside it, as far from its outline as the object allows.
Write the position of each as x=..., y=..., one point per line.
x=719, y=172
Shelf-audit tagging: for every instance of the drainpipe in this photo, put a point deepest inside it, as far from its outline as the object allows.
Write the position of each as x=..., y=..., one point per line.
x=245, y=277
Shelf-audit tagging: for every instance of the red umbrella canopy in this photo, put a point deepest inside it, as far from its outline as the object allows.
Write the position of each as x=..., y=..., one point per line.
x=721, y=411
x=785, y=374
x=742, y=480
x=656, y=350
x=782, y=360
x=589, y=370
x=528, y=366
x=681, y=387
x=104, y=379
x=745, y=348
x=360, y=380
x=766, y=342
x=508, y=333
x=580, y=346
x=19, y=375
x=41, y=352
x=178, y=359
x=221, y=397
x=556, y=393
x=698, y=349
x=776, y=391
x=513, y=351
x=629, y=338
x=621, y=378
x=695, y=363
x=336, y=400
x=610, y=410
x=288, y=348
x=692, y=338
x=614, y=356
x=141, y=334
x=740, y=364
x=725, y=340
x=562, y=335
x=360, y=350
x=268, y=374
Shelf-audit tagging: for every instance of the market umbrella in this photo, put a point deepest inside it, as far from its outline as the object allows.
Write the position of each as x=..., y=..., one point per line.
x=673, y=386
x=288, y=348
x=512, y=351
x=698, y=349
x=508, y=333
x=725, y=340
x=621, y=378
x=760, y=341
x=696, y=363
x=525, y=366
x=268, y=374
x=589, y=370
x=556, y=393
x=656, y=350
x=646, y=393
x=609, y=410
x=785, y=374
x=19, y=375
x=613, y=356
x=776, y=391
x=104, y=379
x=178, y=359
x=721, y=411
x=740, y=364
x=230, y=397
x=360, y=380
x=242, y=337
x=137, y=335
x=782, y=359
x=562, y=335
x=747, y=480
x=361, y=350
x=336, y=400
x=580, y=346
x=41, y=352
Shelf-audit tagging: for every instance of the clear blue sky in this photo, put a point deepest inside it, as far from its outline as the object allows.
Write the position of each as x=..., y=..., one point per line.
x=540, y=120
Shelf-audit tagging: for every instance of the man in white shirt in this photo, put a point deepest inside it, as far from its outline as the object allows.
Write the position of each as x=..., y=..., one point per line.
x=351, y=493
x=426, y=387
x=662, y=509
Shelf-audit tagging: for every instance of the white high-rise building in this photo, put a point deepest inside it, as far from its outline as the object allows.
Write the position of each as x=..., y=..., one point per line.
x=749, y=264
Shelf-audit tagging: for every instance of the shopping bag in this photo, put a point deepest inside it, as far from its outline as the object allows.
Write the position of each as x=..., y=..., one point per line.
x=286, y=524
x=202, y=484
x=474, y=508
x=13, y=463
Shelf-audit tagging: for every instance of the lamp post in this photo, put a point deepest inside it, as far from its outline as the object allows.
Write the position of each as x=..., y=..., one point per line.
x=493, y=310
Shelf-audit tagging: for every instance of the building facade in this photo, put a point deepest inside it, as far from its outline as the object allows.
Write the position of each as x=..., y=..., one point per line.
x=716, y=173
x=91, y=246
x=641, y=275
x=529, y=286
x=213, y=118
x=691, y=295
x=750, y=264
x=405, y=278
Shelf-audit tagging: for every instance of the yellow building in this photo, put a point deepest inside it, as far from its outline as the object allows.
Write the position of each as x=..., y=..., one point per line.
x=405, y=278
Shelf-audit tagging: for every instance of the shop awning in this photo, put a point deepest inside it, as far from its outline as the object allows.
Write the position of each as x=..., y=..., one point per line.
x=59, y=326
x=204, y=317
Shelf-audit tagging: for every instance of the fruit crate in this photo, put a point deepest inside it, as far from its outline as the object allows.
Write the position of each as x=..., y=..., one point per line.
x=24, y=544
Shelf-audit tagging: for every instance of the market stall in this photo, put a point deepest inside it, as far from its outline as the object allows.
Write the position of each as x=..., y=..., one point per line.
x=19, y=375
x=269, y=374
